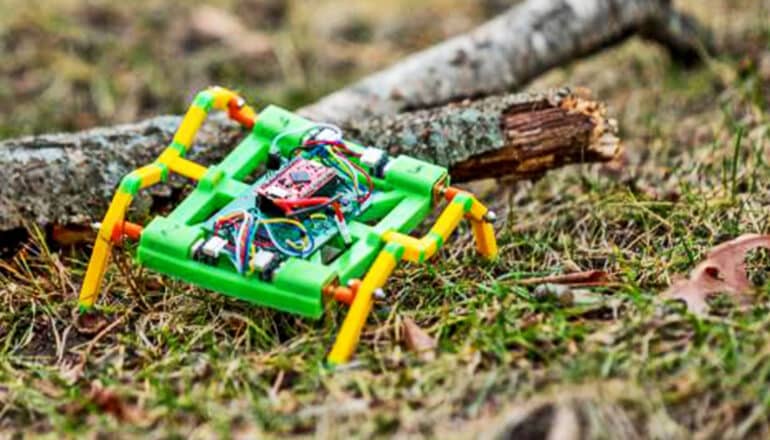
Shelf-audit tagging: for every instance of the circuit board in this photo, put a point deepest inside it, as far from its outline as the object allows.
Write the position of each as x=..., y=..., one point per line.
x=291, y=179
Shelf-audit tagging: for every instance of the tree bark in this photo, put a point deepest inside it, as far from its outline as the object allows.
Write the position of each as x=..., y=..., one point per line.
x=517, y=135
x=69, y=178
x=509, y=51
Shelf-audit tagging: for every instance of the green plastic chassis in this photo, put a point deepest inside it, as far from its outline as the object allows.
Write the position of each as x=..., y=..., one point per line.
x=403, y=199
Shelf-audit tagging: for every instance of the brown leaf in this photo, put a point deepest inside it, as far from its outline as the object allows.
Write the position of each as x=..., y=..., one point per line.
x=219, y=25
x=418, y=341
x=89, y=323
x=585, y=278
x=109, y=402
x=72, y=234
x=723, y=271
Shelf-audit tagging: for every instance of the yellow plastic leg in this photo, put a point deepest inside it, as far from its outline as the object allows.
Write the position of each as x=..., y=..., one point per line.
x=413, y=247
x=347, y=339
x=100, y=256
x=186, y=168
x=221, y=97
x=484, y=235
x=483, y=231
x=190, y=125
x=449, y=220
x=478, y=210
x=150, y=175
x=421, y=249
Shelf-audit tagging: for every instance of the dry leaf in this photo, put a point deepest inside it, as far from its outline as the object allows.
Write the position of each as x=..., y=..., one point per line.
x=561, y=293
x=71, y=372
x=221, y=26
x=109, y=402
x=550, y=421
x=723, y=271
x=48, y=388
x=89, y=323
x=586, y=278
x=72, y=234
x=418, y=341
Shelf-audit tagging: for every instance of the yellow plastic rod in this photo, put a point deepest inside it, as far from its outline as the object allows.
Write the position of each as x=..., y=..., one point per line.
x=448, y=221
x=186, y=168
x=100, y=256
x=481, y=219
x=190, y=125
x=484, y=236
x=418, y=250
x=347, y=339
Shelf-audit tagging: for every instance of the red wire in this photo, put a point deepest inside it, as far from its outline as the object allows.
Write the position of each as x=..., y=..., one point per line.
x=339, y=144
x=288, y=204
x=338, y=211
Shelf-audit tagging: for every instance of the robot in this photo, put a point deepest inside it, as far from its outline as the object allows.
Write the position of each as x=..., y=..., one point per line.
x=326, y=220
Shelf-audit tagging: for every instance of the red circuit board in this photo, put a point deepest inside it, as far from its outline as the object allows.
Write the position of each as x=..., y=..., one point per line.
x=300, y=179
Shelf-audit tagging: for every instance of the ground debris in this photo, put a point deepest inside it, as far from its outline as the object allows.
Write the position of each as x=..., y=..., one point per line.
x=723, y=271
x=209, y=22
x=90, y=323
x=418, y=341
x=110, y=402
x=584, y=278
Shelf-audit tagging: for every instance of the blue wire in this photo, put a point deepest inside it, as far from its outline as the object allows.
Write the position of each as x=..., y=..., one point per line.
x=301, y=254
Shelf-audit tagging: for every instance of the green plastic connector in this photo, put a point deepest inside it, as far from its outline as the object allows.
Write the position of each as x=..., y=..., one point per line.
x=204, y=100
x=131, y=184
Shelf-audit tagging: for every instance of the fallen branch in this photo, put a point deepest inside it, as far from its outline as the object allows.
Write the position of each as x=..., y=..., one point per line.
x=516, y=135
x=69, y=178
x=509, y=51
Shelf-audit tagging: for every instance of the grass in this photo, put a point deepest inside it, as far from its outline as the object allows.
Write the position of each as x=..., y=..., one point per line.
x=181, y=362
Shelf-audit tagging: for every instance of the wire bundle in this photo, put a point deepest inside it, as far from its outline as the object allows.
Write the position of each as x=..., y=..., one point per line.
x=246, y=230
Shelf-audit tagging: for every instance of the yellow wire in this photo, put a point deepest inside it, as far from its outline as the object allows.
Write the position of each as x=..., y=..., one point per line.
x=294, y=245
x=253, y=251
x=343, y=165
x=289, y=221
x=302, y=228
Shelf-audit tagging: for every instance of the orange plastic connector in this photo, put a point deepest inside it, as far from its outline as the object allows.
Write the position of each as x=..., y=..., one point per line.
x=343, y=294
x=126, y=229
x=241, y=113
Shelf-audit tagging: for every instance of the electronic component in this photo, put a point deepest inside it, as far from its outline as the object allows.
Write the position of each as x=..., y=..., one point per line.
x=273, y=161
x=213, y=246
x=264, y=262
x=195, y=251
x=375, y=159
x=208, y=250
x=300, y=179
